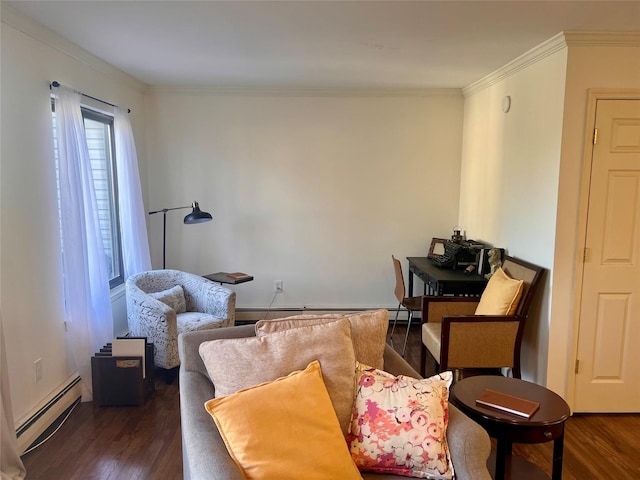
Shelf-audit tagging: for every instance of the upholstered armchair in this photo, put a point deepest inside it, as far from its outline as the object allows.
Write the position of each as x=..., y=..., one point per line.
x=161, y=304
x=481, y=333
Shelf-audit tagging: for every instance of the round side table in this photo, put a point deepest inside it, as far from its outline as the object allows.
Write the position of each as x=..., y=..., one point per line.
x=545, y=425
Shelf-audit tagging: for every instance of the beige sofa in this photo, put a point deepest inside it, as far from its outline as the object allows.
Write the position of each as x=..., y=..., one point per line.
x=205, y=455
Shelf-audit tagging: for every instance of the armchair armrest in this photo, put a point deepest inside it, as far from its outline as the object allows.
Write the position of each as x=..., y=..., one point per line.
x=434, y=308
x=209, y=297
x=151, y=318
x=481, y=341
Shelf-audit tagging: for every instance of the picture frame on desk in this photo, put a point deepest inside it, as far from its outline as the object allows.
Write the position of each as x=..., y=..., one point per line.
x=437, y=247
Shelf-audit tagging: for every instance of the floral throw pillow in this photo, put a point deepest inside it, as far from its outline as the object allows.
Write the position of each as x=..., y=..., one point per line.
x=399, y=424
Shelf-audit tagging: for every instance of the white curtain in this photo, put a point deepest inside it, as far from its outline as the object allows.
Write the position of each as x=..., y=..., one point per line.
x=88, y=313
x=11, y=466
x=135, y=246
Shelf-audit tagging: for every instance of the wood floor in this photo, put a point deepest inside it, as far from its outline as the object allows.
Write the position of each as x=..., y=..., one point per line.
x=127, y=443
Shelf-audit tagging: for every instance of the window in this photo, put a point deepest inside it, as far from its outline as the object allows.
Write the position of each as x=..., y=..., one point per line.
x=100, y=141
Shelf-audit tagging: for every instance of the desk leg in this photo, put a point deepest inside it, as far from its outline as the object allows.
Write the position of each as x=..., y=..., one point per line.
x=558, y=445
x=410, y=292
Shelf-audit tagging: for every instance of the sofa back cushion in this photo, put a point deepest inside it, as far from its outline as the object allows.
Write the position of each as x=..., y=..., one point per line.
x=368, y=331
x=234, y=364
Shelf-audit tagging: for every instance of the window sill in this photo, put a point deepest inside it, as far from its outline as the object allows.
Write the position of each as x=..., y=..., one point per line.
x=117, y=292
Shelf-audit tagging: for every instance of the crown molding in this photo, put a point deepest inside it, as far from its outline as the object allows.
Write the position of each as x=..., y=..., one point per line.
x=554, y=44
x=11, y=17
x=297, y=91
x=534, y=55
x=603, y=39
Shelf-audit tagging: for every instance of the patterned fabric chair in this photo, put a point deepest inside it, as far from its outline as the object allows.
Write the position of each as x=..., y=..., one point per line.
x=161, y=304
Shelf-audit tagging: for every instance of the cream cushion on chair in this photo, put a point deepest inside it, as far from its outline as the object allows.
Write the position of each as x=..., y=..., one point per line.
x=501, y=296
x=431, y=335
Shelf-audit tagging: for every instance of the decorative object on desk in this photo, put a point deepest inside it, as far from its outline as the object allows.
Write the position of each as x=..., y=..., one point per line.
x=196, y=216
x=442, y=252
x=495, y=260
x=508, y=403
x=454, y=254
x=468, y=254
x=457, y=236
x=482, y=263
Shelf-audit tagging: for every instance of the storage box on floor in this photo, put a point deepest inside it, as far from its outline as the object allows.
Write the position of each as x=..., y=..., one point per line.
x=127, y=379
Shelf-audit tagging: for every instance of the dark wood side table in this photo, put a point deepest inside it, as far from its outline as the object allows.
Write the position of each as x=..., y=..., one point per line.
x=444, y=281
x=545, y=425
x=223, y=277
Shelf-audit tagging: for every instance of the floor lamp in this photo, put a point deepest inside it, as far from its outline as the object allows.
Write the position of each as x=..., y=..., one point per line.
x=196, y=216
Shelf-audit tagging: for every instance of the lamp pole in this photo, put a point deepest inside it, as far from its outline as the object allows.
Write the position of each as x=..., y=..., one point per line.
x=196, y=216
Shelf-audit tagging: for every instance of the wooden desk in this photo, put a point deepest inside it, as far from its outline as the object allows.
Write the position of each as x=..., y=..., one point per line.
x=545, y=425
x=444, y=281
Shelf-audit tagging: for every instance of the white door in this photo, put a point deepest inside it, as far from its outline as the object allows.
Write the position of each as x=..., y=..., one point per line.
x=608, y=373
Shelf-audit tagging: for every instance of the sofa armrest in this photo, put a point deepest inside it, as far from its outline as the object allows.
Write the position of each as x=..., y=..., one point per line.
x=204, y=453
x=469, y=445
x=396, y=365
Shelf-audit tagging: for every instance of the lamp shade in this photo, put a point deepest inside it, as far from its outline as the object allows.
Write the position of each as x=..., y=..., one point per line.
x=197, y=215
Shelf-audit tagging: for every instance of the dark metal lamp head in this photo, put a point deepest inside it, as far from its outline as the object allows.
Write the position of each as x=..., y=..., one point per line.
x=197, y=215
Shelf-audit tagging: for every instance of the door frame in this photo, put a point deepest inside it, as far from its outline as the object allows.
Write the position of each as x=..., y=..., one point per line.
x=594, y=95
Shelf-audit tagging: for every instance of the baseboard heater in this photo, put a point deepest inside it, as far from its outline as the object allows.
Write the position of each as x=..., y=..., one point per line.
x=35, y=423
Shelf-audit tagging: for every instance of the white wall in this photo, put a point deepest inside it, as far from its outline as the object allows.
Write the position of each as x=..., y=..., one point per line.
x=30, y=295
x=612, y=67
x=316, y=191
x=537, y=153
x=509, y=179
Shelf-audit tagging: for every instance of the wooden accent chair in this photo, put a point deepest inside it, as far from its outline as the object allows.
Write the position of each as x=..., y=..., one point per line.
x=457, y=338
x=412, y=304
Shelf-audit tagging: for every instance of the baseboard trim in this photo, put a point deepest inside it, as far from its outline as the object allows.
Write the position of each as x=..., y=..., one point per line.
x=42, y=417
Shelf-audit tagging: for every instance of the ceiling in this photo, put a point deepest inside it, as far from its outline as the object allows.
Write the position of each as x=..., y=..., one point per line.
x=341, y=44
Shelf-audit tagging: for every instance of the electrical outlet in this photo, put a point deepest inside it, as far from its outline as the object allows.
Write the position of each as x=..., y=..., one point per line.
x=277, y=286
x=37, y=369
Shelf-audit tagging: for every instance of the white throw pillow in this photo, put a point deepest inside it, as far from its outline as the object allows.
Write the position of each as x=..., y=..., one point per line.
x=174, y=297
